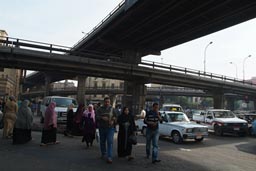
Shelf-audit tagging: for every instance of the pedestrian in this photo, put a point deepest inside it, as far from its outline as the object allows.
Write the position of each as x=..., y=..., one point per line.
x=142, y=113
x=127, y=128
x=70, y=118
x=106, y=118
x=152, y=132
x=89, y=126
x=11, y=109
x=49, y=134
x=77, y=122
x=23, y=125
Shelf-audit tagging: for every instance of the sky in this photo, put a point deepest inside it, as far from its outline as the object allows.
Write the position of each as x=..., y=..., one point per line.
x=63, y=21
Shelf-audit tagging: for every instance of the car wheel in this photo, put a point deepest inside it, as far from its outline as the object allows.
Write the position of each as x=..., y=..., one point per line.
x=176, y=137
x=217, y=130
x=143, y=131
x=199, y=140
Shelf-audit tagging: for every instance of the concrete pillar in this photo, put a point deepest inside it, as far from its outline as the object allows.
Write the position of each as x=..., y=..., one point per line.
x=230, y=103
x=131, y=56
x=218, y=101
x=135, y=96
x=47, y=85
x=81, y=89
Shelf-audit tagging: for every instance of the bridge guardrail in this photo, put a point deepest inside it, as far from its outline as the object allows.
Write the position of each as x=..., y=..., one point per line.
x=100, y=24
x=51, y=48
x=178, y=69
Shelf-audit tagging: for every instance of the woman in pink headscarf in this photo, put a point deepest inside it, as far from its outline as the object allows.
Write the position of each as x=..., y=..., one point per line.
x=49, y=133
x=89, y=126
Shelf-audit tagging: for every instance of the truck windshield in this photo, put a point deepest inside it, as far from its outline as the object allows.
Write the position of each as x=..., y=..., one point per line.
x=223, y=114
x=177, y=117
x=64, y=102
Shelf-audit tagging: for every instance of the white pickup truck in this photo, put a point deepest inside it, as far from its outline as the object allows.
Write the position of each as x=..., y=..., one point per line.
x=177, y=126
x=222, y=121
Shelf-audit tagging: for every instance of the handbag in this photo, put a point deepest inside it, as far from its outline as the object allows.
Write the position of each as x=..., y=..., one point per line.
x=132, y=139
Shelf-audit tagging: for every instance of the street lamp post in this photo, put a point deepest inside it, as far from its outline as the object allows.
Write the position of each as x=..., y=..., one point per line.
x=236, y=68
x=244, y=64
x=205, y=55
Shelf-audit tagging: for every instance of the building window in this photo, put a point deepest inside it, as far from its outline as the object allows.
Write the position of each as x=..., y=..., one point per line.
x=103, y=95
x=95, y=85
x=112, y=85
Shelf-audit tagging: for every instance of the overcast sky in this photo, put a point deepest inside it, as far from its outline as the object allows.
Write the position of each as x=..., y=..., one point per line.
x=62, y=22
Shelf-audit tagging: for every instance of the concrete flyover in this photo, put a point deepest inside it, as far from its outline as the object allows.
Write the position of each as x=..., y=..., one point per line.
x=119, y=91
x=146, y=27
x=18, y=57
x=53, y=59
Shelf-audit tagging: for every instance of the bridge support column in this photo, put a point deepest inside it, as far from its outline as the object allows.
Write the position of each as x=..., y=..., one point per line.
x=230, y=103
x=135, y=96
x=218, y=101
x=47, y=85
x=81, y=89
x=131, y=56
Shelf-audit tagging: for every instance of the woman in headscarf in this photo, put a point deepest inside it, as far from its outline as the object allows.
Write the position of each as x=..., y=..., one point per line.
x=70, y=117
x=23, y=125
x=89, y=126
x=78, y=119
x=49, y=133
x=126, y=129
x=11, y=109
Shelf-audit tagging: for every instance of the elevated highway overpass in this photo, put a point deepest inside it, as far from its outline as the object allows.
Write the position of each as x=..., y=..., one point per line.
x=136, y=28
x=53, y=60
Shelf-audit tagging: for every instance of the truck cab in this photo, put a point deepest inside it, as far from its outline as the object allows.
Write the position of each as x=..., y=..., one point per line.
x=223, y=121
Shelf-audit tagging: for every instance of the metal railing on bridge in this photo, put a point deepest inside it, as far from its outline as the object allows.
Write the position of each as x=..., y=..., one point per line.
x=183, y=70
x=101, y=23
x=58, y=49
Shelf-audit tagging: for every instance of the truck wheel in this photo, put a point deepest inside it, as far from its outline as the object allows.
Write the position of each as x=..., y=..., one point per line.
x=143, y=131
x=199, y=140
x=217, y=130
x=176, y=137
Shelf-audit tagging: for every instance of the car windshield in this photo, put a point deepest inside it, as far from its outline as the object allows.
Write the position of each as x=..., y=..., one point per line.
x=177, y=117
x=64, y=102
x=223, y=114
x=172, y=108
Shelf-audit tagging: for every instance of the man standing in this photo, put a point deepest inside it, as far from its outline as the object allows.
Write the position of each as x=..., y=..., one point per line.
x=152, y=133
x=106, y=117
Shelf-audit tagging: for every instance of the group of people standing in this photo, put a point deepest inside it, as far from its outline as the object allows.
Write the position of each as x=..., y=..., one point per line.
x=105, y=118
x=17, y=121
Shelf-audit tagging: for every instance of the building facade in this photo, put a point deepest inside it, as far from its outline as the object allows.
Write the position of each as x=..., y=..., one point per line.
x=9, y=78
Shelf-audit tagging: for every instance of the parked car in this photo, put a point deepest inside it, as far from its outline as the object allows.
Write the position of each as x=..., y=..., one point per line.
x=62, y=104
x=177, y=126
x=222, y=121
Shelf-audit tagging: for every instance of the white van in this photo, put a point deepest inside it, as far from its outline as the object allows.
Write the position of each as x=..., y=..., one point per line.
x=62, y=104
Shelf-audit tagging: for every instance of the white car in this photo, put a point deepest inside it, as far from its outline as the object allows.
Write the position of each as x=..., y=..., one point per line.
x=177, y=126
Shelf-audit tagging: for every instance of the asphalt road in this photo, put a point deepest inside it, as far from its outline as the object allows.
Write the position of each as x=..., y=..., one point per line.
x=226, y=153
